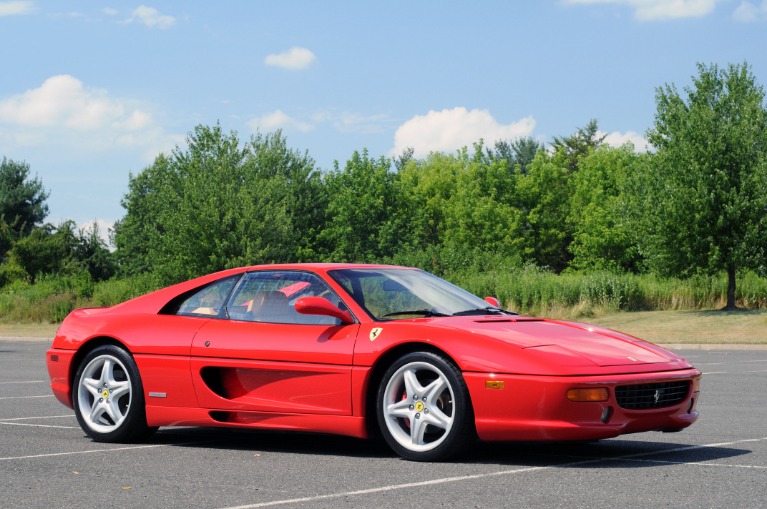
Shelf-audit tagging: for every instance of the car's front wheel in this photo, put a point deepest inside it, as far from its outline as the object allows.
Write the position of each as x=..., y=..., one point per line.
x=108, y=397
x=424, y=410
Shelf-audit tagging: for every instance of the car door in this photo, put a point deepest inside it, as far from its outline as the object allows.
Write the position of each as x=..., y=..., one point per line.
x=263, y=356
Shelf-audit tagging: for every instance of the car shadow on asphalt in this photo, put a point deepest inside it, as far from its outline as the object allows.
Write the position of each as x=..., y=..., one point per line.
x=271, y=441
x=612, y=453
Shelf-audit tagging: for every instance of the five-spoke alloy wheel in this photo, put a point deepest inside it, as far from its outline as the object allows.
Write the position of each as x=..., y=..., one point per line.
x=108, y=398
x=424, y=411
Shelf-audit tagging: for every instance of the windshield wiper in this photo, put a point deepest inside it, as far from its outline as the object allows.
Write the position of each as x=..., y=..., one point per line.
x=423, y=312
x=490, y=310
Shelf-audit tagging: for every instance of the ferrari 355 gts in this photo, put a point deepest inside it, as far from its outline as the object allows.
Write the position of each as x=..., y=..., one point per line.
x=358, y=350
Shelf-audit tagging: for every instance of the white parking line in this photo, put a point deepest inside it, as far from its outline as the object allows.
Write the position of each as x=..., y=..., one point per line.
x=391, y=487
x=444, y=480
x=703, y=464
x=37, y=425
x=93, y=451
x=27, y=397
x=38, y=417
x=25, y=382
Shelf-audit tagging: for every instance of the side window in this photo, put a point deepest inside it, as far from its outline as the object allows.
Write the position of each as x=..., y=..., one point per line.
x=270, y=296
x=384, y=296
x=209, y=300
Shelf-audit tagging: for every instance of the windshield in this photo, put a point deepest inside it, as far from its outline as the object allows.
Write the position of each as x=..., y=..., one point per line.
x=390, y=294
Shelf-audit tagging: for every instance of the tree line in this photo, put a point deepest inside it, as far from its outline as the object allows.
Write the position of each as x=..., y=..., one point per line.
x=695, y=203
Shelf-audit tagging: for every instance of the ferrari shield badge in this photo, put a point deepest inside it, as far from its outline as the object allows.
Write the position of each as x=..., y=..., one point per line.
x=375, y=332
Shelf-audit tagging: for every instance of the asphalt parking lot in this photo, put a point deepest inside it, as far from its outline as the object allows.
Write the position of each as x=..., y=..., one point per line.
x=46, y=460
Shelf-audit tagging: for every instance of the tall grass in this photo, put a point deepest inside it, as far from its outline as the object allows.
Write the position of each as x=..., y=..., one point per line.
x=528, y=290
x=52, y=298
x=534, y=291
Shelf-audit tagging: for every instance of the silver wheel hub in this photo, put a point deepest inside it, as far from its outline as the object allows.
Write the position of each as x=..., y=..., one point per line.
x=418, y=406
x=104, y=394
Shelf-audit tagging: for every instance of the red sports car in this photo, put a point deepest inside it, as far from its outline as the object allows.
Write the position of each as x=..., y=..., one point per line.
x=358, y=350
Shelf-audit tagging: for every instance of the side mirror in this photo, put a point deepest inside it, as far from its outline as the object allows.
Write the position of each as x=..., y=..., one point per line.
x=323, y=307
x=493, y=302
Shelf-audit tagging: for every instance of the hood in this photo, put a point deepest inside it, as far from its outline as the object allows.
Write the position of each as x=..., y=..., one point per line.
x=596, y=345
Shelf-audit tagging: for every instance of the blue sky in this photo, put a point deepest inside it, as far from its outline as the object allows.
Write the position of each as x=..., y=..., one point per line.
x=92, y=91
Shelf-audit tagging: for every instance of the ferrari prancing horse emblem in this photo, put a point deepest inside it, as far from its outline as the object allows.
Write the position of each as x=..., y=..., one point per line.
x=375, y=332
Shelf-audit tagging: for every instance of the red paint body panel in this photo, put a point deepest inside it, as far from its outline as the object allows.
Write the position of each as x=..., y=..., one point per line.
x=169, y=376
x=212, y=371
x=536, y=408
x=338, y=425
x=257, y=386
x=59, y=363
x=505, y=345
x=276, y=342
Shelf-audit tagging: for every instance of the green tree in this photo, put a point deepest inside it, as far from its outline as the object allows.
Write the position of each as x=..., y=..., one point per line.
x=138, y=232
x=708, y=209
x=361, y=204
x=62, y=249
x=426, y=187
x=91, y=253
x=406, y=156
x=22, y=200
x=519, y=152
x=481, y=215
x=457, y=212
x=543, y=195
x=9, y=233
x=40, y=252
x=219, y=204
x=604, y=233
x=305, y=198
x=46, y=250
x=576, y=146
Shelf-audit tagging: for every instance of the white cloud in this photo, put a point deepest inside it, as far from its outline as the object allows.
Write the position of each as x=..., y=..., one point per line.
x=652, y=10
x=16, y=8
x=278, y=120
x=110, y=11
x=136, y=120
x=618, y=139
x=62, y=100
x=748, y=12
x=449, y=130
x=344, y=122
x=294, y=59
x=151, y=17
x=353, y=122
x=65, y=113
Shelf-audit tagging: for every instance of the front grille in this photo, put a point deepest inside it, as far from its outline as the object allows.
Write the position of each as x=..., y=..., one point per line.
x=658, y=395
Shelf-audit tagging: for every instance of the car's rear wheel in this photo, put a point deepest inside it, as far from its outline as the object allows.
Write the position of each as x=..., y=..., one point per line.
x=108, y=396
x=423, y=406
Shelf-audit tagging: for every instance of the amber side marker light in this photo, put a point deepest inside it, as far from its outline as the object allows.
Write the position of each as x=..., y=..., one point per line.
x=598, y=394
x=696, y=384
x=494, y=384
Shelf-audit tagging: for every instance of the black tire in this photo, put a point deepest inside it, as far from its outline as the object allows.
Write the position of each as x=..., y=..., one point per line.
x=108, y=396
x=426, y=389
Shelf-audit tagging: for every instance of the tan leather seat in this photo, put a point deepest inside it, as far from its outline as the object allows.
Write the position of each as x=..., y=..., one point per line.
x=269, y=306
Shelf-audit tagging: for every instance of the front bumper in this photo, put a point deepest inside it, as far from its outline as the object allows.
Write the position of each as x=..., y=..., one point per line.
x=530, y=407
